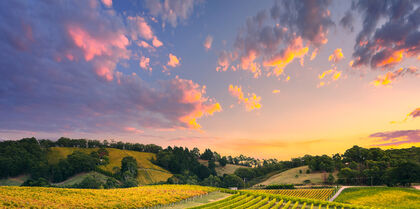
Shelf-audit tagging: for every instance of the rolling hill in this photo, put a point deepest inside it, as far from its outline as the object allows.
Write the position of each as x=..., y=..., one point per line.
x=149, y=173
x=228, y=169
x=293, y=176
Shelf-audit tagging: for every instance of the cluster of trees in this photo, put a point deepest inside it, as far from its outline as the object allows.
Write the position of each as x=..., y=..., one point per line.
x=67, y=142
x=372, y=166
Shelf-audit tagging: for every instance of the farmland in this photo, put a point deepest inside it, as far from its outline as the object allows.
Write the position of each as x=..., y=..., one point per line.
x=319, y=194
x=384, y=197
x=148, y=172
x=253, y=200
x=145, y=196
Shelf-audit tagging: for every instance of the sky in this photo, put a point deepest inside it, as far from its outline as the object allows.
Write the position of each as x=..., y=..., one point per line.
x=268, y=79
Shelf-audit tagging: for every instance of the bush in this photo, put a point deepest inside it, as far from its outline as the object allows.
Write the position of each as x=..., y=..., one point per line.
x=89, y=183
x=40, y=182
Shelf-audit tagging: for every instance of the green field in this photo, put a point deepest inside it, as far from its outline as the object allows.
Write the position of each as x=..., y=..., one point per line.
x=14, y=181
x=383, y=197
x=149, y=173
x=293, y=176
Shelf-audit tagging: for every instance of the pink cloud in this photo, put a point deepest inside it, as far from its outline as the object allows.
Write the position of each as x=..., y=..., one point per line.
x=133, y=130
x=415, y=113
x=145, y=63
x=139, y=27
x=208, y=42
x=173, y=60
x=156, y=43
x=107, y=3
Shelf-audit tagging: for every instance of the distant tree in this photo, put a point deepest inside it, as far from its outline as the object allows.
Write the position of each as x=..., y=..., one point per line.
x=223, y=161
x=207, y=155
x=212, y=181
x=129, y=167
x=247, y=173
x=233, y=180
x=330, y=179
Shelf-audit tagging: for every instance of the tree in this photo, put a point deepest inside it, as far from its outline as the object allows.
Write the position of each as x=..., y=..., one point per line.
x=404, y=174
x=129, y=167
x=90, y=183
x=246, y=173
x=223, y=161
x=233, y=180
x=213, y=181
x=207, y=155
x=330, y=179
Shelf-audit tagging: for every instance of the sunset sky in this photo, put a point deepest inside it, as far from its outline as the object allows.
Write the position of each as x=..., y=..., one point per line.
x=268, y=79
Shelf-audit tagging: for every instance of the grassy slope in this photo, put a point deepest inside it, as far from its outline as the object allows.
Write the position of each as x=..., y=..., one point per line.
x=228, y=169
x=79, y=178
x=14, y=181
x=148, y=172
x=384, y=197
x=289, y=177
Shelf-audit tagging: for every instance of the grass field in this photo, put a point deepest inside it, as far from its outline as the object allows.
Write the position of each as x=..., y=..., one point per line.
x=289, y=177
x=228, y=169
x=383, y=197
x=148, y=172
x=136, y=197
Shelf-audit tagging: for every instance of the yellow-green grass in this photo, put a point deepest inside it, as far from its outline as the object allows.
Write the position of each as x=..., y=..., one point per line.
x=382, y=197
x=148, y=172
x=81, y=176
x=135, y=197
x=228, y=169
x=289, y=177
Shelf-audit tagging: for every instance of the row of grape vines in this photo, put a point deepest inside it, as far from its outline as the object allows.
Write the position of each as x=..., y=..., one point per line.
x=253, y=200
x=320, y=194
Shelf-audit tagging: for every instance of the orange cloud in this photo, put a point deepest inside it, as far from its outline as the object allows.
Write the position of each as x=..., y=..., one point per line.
x=251, y=103
x=395, y=58
x=275, y=91
x=173, y=60
x=248, y=63
x=208, y=42
x=389, y=77
x=335, y=75
x=281, y=60
x=336, y=56
x=139, y=27
x=202, y=106
x=314, y=53
x=145, y=63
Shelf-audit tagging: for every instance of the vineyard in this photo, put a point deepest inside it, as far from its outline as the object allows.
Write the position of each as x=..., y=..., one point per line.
x=136, y=197
x=261, y=200
x=319, y=194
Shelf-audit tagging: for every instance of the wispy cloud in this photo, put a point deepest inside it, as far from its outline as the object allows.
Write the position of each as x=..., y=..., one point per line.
x=393, y=76
x=251, y=102
x=396, y=137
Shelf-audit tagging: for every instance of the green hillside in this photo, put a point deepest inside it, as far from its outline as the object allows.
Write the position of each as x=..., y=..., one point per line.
x=228, y=169
x=148, y=172
x=293, y=176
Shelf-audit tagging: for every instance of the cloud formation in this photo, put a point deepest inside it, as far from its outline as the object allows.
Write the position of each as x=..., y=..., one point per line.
x=415, y=113
x=334, y=75
x=392, y=76
x=389, y=33
x=208, y=42
x=173, y=61
x=171, y=11
x=272, y=39
x=336, y=56
x=145, y=63
x=251, y=102
x=397, y=137
x=59, y=73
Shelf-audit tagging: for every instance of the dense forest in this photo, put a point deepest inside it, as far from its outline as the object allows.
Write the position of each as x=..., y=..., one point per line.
x=357, y=165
